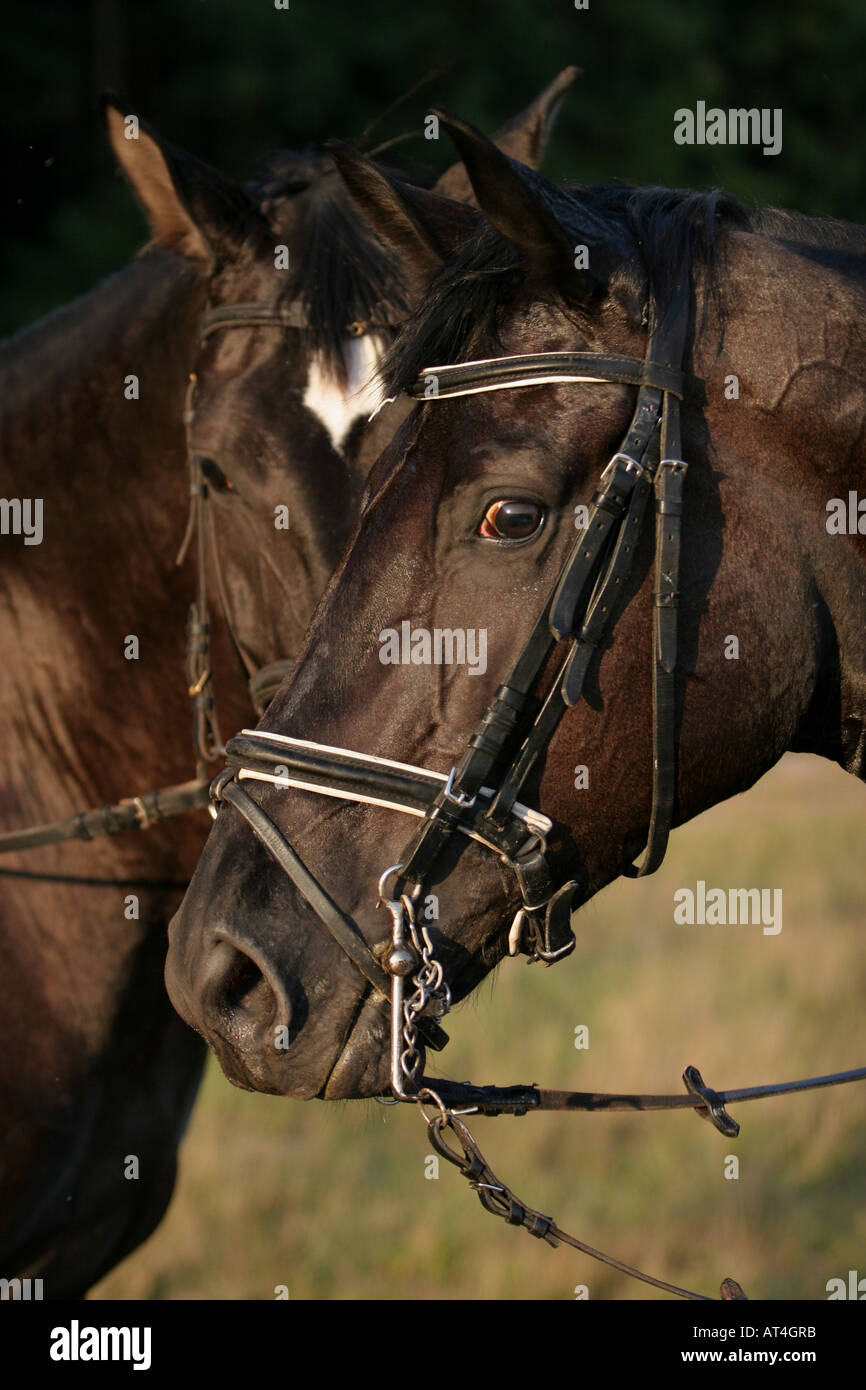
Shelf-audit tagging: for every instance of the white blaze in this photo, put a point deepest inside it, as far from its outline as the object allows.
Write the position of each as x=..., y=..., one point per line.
x=338, y=407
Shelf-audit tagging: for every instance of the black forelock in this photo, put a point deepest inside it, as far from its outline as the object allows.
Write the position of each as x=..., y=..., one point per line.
x=344, y=274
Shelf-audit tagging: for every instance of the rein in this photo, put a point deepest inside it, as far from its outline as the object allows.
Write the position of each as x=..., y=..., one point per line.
x=479, y=798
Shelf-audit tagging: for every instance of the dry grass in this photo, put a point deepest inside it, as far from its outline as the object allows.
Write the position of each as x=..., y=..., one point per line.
x=332, y=1200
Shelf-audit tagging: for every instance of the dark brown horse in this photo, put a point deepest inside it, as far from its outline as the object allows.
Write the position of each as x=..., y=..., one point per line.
x=99, y=1074
x=467, y=519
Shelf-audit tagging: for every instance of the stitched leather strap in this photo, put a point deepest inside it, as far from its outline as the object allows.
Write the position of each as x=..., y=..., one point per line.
x=342, y=773
x=292, y=315
x=501, y=373
x=669, y=503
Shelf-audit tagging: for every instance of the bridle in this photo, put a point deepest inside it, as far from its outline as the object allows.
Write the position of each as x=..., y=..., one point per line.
x=479, y=798
x=149, y=808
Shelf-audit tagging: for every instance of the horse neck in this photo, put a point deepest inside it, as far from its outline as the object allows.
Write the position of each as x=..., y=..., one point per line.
x=111, y=475
x=798, y=352
x=67, y=425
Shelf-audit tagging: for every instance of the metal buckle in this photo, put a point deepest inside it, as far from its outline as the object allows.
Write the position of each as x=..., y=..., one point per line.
x=551, y=957
x=714, y=1111
x=216, y=787
x=461, y=800
x=631, y=466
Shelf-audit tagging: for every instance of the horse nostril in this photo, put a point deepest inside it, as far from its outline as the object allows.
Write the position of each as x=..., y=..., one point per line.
x=241, y=997
x=242, y=980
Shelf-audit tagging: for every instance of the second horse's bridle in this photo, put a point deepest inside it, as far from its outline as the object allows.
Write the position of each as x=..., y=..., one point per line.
x=149, y=808
x=263, y=681
x=479, y=798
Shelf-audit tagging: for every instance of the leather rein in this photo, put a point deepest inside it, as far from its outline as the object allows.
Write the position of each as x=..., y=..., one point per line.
x=479, y=798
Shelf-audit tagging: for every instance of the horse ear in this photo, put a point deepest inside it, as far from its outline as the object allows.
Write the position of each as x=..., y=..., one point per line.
x=192, y=208
x=422, y=226
x=517, y=202
x=524, y=137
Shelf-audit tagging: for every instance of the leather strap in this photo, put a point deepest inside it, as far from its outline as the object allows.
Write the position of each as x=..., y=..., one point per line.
x=341, y=927
x=669, y=503
x=602, y=607
x=607, y=510
x=527, y=369
x=355, y=777
x=518, y=1100
x=265, y=683
x=135, y=812
x=291, y=315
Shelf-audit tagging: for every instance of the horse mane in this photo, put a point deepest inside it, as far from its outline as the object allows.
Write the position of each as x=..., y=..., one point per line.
x=668, y=227
x=345, y=273
x=808, y=234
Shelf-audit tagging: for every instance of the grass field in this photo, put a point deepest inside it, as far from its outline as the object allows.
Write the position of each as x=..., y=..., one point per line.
x=332, y=1199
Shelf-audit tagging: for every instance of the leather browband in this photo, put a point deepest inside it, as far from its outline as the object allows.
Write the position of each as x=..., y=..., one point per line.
x=533, y=369
x=291, y=315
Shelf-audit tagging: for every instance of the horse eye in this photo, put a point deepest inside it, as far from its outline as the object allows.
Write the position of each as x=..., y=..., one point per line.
x=511, y=520
x=216, y=477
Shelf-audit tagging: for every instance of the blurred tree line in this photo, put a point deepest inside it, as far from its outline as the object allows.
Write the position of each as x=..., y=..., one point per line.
x=232, y=80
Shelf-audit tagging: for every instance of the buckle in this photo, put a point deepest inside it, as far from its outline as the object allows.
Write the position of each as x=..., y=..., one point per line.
x=216, y=787
x=714, y=1110
x=461, y=799
x=551, y=957
x=630, y=465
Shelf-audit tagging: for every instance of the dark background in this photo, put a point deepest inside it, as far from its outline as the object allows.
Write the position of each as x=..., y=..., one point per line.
x=234, y=79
